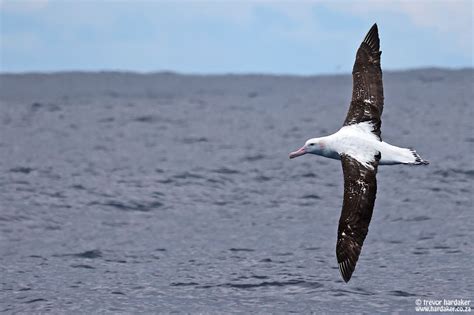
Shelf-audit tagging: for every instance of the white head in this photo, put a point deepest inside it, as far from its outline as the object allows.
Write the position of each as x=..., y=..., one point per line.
x=313, y=146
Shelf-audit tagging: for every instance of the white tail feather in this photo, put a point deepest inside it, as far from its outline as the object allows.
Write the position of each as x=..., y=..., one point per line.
x=395, y=155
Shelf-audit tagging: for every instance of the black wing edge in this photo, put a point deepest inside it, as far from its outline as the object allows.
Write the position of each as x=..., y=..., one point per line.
x=372, y=39
x=360, y=188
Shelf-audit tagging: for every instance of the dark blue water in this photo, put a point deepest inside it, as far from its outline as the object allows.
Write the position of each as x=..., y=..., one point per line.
x=127, y=193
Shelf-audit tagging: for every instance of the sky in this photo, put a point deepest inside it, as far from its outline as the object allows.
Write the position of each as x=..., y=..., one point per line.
x=214, y=37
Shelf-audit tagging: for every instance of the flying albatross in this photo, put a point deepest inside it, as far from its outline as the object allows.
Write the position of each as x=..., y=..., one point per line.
x=361, y=150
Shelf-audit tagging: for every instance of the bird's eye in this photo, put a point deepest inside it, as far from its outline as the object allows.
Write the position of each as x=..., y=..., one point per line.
x=311, y=144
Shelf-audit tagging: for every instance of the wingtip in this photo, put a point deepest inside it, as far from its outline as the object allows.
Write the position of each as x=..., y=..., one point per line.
x=346, y=279
x=372, y=38
x=373, y=28
x=346, y=271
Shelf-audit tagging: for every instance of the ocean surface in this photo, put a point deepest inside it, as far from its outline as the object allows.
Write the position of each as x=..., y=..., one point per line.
x=132, y=193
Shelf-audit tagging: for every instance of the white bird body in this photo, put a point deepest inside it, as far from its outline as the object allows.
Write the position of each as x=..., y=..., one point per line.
x=359, y=142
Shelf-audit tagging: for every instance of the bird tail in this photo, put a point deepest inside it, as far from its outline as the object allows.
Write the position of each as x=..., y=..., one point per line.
x=418, y=160
x=392, y=155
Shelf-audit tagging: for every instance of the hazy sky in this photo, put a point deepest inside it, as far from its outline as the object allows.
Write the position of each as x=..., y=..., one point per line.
x=295, y=37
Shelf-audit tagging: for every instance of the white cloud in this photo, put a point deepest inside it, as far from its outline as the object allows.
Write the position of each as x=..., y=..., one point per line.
x=453, y=17
x=296, y=23
x=22, y=5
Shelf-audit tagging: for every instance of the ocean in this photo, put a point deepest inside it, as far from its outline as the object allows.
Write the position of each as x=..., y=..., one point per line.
x=141, y=193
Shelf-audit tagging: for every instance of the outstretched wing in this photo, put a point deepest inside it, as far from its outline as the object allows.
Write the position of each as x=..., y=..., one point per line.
x=360, y=188
x=367, y=90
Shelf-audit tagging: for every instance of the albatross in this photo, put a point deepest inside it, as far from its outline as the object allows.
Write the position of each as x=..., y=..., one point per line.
x=359, y=147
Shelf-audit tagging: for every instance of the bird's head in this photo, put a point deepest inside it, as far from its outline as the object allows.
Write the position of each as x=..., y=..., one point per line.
x=313, y=146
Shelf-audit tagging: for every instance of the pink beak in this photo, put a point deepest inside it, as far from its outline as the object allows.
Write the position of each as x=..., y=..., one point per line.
x=301, y=151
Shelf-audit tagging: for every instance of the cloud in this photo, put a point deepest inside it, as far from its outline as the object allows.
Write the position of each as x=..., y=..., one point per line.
x=453, y=18
x=228, y=35
x=23, y=6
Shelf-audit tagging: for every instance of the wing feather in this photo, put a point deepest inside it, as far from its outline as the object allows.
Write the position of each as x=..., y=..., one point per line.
x=360, y=188
x=367, y=90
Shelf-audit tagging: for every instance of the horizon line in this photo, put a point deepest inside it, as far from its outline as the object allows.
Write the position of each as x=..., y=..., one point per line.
x=179, y=73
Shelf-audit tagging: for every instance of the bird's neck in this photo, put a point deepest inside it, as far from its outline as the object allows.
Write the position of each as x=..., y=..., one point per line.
x=326, y=148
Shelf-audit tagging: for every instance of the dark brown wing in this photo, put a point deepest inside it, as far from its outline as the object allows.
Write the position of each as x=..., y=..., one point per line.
x=367, y=90
x=360, y=188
